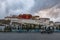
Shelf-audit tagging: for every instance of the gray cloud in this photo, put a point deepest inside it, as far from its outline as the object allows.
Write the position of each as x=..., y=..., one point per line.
x=20, y=6
x=53, y=13
x=16, y=7
x=47, y=8
x=44, y=4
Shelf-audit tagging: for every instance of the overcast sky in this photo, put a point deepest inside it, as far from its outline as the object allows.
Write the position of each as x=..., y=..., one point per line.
x=43, y=8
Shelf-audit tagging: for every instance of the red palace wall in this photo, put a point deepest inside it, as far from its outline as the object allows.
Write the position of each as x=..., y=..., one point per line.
x=25, y=16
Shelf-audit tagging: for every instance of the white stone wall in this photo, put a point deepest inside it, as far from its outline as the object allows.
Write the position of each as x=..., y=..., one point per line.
x=29, y=21
x=41, y=21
